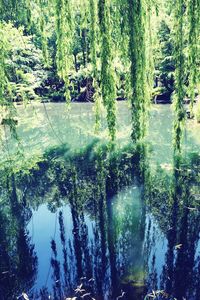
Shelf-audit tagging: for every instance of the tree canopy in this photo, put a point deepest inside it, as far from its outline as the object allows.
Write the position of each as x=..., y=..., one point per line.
x=102, y=51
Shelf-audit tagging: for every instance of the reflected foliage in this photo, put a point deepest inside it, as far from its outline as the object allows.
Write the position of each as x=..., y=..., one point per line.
x=18, y=260
x=120, y=226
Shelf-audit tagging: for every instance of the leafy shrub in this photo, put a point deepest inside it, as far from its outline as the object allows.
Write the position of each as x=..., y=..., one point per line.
x=24, y=64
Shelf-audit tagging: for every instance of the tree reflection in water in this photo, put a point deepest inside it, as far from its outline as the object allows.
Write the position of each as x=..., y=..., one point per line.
x=122, y=226
x=18, y=260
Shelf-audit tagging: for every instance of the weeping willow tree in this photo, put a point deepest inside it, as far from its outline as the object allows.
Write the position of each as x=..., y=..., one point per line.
x=193, y=40
x=179, y=121
x=107, y=72
x=43, y=10
x=83, y=11
x=63, y=42
x=20, y=13
x=122, y=43
x=7, y=109
x=93, y=46
x=3, y=78
x=149, y=38
x=137, y=54
x=133, y=34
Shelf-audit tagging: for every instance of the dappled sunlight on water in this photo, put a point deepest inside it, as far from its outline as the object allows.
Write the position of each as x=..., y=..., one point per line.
x=45, y=125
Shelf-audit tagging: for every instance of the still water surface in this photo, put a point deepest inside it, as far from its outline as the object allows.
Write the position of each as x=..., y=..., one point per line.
x=124, y=222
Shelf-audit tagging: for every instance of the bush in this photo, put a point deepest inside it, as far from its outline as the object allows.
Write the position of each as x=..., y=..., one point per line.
x=24, y=64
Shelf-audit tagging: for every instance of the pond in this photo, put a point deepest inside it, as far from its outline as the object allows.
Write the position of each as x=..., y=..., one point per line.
x=41, y=126
x=117, y=222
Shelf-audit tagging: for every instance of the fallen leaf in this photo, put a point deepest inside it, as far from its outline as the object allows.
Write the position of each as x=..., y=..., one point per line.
x=178, y=246
x=25, y=296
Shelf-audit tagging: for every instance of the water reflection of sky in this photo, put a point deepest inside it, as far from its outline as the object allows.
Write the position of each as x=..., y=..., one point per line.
x=126, y=243
x=133, y=249
x=43, y=227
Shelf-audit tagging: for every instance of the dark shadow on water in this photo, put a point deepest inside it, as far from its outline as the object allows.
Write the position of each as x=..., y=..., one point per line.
x=121, y=231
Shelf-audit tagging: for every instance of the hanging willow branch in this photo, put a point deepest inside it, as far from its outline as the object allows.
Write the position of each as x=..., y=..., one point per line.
x=43, y=4
x=7, y=109
x=138, y=67
x=179, y=75
x=83, y=30
x=3, y=78
x=193, y=19
x=149, y=47
x=64, y=41
x=107, y=73
x=93, y=46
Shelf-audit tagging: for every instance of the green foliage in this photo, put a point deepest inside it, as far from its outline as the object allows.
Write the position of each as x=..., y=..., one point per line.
x=7, y=110
x=149, y=47
x=43, y=11
x=94, y=46
x=18, y=12
x=165, y=63
x=179, y=74
x=193, y=41
x=23, y=64
x=139, y=97
x=3, y=55
x=63, y=42
x=110, y=46
x=107, y=72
